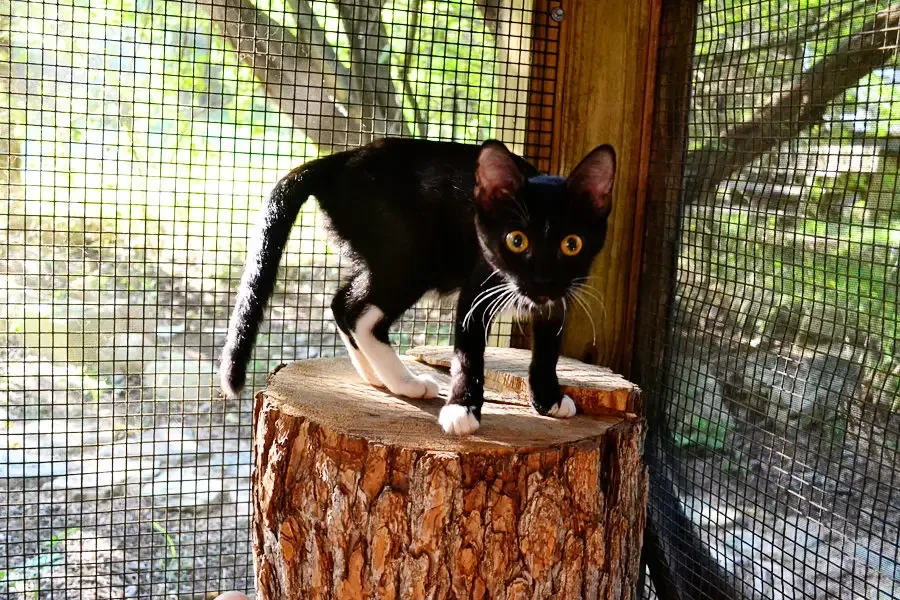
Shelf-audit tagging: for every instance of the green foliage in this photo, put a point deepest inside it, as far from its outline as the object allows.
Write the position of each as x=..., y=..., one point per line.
x=704, y=433
x=820, y=270
x=26, y=580
x=450, y=69
x=148, y=146
x=171, y=548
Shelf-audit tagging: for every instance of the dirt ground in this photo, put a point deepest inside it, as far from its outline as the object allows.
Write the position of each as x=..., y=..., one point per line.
x=123, y=474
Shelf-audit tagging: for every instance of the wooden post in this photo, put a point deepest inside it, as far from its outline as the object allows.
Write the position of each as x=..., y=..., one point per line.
x=604, y=94
x=358, y=494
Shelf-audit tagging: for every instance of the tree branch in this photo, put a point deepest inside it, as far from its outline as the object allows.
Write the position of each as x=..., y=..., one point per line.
x=320, y=50
x=411, y=32
x=491, y=11
x=774, y=39
x=799, y=107
x=295, y=73
x=370, y=65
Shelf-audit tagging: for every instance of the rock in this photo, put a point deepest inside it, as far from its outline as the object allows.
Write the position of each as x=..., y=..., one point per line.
x=186, y=486
x=180, y=378
x=57, y=434
x=172, y=442
x=125, y=353
x=236, y=464
x=809, y=392
x=17, y=463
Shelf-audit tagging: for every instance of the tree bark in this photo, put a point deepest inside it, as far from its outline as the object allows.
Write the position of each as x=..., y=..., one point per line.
x=295, y=74
x=513, y=32
x=412, y=27
x=358, y=494
x=799, y=107
x=370, y=65
x=491, y=11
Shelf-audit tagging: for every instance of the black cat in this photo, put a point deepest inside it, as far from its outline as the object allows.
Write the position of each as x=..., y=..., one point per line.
x=419, y=216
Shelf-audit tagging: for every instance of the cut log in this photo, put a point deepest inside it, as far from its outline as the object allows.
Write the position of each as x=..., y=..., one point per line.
x=359, y=494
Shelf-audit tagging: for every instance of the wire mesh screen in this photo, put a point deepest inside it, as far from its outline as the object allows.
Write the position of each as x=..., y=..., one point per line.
x=139, y=138
x=770, y=349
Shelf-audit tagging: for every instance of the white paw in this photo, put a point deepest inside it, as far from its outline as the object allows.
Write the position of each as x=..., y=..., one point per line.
x=418, y=386
x=457, y=419
x=563, y=409
x=431, y=386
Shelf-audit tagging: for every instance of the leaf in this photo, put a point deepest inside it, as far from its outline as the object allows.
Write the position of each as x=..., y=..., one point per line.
x=56, y=539
x=170, y=543
x=384, y=57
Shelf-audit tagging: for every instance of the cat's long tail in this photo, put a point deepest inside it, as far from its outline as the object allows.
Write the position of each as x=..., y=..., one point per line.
x=264, y=254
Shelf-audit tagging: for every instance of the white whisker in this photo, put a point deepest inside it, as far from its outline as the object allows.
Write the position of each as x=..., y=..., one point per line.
x=483, y=296
x=563, y=323
x=585, y=278
x=494, y=306
x=498, y=307
x=495, y=272
x=592, y=293
x=518, y=317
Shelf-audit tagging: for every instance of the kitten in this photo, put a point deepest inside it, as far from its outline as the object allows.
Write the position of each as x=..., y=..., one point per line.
x=421, y=216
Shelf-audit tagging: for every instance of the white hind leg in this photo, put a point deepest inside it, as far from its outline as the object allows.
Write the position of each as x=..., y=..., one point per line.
x=362, y=366
x=387, y=366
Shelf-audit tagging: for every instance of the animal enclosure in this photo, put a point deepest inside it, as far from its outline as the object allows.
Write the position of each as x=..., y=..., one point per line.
x=139, y=139
x=767, y=322
x=750, y=288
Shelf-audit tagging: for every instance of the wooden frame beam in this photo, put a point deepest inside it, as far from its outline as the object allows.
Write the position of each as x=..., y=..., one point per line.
x=605, y=73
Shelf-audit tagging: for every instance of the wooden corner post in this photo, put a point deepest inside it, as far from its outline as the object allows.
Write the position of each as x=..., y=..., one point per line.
x=604, y=94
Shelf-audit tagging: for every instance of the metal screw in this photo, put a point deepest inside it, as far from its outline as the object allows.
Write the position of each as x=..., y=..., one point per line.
x=557, y=14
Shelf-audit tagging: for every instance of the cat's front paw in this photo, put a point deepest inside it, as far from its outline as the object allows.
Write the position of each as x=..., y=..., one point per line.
x=564, y=409
x=428, y=386
x=458, y=419
x=416, y=386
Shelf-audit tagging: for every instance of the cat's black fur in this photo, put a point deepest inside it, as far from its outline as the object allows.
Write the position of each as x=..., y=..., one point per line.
x=419, y=216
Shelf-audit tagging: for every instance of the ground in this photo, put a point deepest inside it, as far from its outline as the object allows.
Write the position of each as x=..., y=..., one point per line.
x=123, y=473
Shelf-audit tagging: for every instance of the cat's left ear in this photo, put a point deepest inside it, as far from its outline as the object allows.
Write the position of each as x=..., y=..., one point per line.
x=594, y=177
x=497, y=176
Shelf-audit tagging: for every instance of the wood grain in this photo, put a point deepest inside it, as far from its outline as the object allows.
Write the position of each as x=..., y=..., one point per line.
x=595, y=390
x=357, y=494
x=331, y=393
x=607, y=52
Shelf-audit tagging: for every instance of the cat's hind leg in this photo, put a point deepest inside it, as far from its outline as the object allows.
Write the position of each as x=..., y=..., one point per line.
x=341, y=311
x=371, y=335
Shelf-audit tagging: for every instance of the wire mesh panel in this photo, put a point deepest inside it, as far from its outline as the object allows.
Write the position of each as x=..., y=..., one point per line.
x=139, y=138
x=776, y=217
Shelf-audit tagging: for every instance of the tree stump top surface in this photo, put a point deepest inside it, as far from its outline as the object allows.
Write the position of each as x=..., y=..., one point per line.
x=331, y=394
x=595, y=390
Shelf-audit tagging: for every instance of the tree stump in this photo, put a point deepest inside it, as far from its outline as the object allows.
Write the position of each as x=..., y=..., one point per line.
x=359, y=494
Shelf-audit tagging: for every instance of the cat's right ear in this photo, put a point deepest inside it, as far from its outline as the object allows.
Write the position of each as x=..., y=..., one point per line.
x=497, y=177
x=593, y=178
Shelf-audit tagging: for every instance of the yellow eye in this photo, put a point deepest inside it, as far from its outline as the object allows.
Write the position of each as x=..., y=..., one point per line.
x=571, y=245
x=517, y=241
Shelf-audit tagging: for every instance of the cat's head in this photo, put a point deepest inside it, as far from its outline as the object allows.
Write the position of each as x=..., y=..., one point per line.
x=542, y=233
